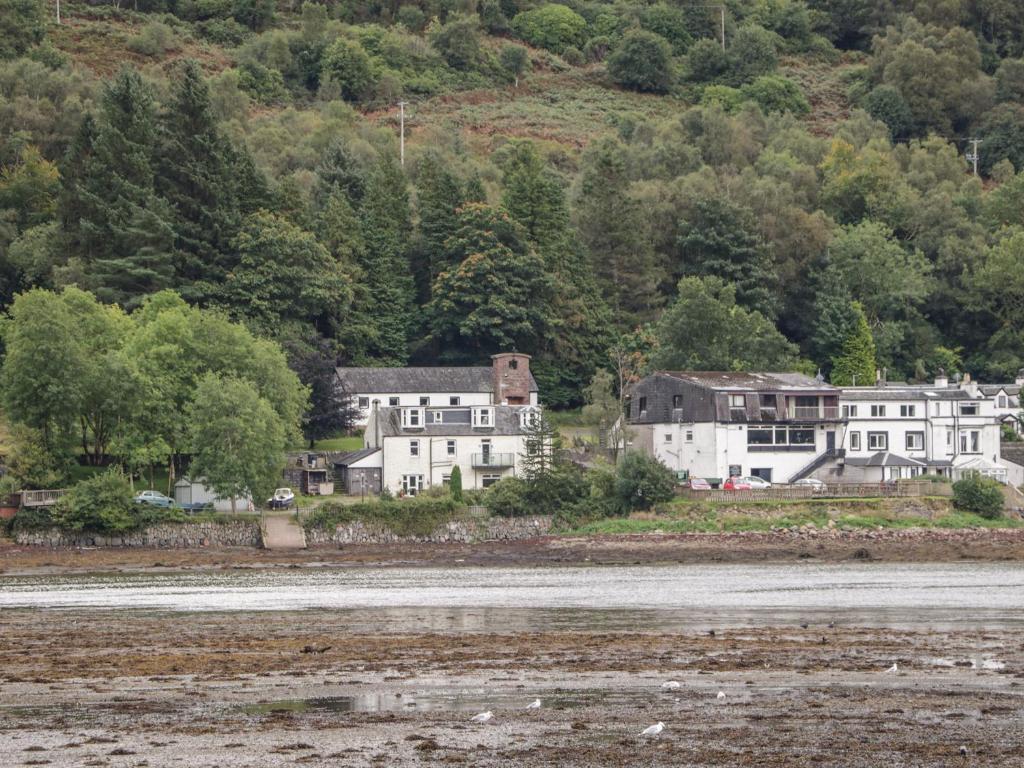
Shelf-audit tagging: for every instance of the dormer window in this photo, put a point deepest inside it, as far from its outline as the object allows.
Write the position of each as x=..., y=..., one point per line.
x=483, y=418
x=412, y=418
x=529, y=417
x=438, y=417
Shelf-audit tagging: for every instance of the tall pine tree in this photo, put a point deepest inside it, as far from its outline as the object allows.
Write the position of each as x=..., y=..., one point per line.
x=856, y=365
x=439, y=196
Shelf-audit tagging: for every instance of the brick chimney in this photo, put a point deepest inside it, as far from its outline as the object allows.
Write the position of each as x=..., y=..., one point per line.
x=510, y=378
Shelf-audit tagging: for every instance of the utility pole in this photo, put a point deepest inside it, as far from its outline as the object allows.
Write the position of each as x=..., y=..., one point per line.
x=973, y=156
x=721, y=10
x=58, y=11
x=401, y=130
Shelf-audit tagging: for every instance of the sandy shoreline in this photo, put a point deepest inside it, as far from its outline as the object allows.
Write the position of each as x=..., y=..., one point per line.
x=911, y=545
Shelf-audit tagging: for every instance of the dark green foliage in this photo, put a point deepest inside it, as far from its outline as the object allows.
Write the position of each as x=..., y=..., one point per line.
x=706, y=61
x=752, y=53
x=642, y=61
x=670, y=23
x=552, y=26
x=455, y=484
x=887, y=104
x=515, y=59
x=458, y=41
x=255, y=14
x=774, y=93
x=416, y=516
x=332, y=411
x=1002, y=133
x=641, y=481
x=22, y=25
x=981, y=495
x=439, y=196
x=102, y=503
x=855, y=365
x=347, y=66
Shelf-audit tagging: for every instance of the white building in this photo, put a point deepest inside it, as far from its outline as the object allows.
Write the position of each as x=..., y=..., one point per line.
x=1006, y=401
x=507, y=381
x=712, y=425
x=420, y=445
x=895, y=431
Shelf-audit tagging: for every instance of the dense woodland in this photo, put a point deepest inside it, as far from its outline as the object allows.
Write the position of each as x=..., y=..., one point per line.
x=724, y=210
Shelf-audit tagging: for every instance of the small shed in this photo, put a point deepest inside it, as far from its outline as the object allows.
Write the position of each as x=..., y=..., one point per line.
x=188, y=492
x=359, y=472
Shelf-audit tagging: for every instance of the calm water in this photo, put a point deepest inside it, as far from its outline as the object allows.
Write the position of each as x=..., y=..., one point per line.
x=615, y=598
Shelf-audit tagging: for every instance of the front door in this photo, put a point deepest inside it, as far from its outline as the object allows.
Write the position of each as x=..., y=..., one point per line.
x=830, y=441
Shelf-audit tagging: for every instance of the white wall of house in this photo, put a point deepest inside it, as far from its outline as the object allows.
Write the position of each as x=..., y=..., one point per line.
x=431, y=459
x=364, y=401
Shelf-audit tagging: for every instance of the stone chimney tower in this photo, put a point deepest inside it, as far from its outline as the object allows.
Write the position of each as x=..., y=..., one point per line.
x=510, y=378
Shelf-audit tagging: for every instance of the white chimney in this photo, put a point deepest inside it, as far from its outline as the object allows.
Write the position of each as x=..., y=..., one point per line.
x=941, y=379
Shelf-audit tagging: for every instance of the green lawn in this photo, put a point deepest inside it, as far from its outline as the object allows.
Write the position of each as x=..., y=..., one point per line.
x=347, y=443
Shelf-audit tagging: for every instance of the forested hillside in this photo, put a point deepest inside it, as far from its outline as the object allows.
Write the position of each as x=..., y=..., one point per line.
x=599, y=184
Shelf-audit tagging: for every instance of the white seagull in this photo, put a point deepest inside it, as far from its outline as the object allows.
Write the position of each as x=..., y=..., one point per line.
x=721, y=696
x=535, y=704
x=671, y=685
x=654, y=730
x=483, y=717
x=893, y=668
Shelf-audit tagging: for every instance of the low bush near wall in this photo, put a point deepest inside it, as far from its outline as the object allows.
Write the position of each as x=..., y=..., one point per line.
x=405, y=517
x=980, y=495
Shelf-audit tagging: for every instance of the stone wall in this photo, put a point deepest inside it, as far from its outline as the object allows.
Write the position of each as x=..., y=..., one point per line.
x=457, y=531
x=234, y=533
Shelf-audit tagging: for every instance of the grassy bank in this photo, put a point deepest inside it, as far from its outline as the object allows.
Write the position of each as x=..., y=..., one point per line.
x=846, y=514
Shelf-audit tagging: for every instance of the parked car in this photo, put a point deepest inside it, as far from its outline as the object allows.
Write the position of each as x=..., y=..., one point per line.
x=755, y=482
x=816, y=485
x=154, y=499
x=698, y=484
x=283, y=498
x=736, y=484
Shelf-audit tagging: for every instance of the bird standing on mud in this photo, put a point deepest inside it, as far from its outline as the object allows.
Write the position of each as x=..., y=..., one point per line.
x=483, y=717
x=671, y=685
x=653, y=730
x=535, y=704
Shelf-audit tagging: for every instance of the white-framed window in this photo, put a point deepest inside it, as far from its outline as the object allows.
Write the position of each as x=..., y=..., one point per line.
x=412, y=418
x=968, y=409
x=949, y=441
x=414, y=447
x=915, y=441
x=855, y=441
x=668, y=437
x=412, y=484
x=488, y=480
x=970, y=441
x=642, y=406
x=938, y=409
x=424, y=400
x=737, y=401
x=451, y=447
x=688, y=436
x=529, y=417
x=438, y=417
x=877, y=411
x=908, y=411
x=364, y=402
x=849, y=411
x=1002, y=401
x=483, y=417
x=392, y=401
x=446, y=480
x=454, y=400
x=878, y=441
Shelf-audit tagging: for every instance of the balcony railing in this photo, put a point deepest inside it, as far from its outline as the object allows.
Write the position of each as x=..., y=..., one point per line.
x=484, y=460
x=814, y=412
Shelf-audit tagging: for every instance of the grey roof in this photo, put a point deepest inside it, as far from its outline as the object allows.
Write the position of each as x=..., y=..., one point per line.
x=351, y=457
x=424, y=379
x=994, y=389
x=1013, y=452
x=506, y=422
x=884, y=459
x=940, y=463
x=877, y=394
x=745, y=381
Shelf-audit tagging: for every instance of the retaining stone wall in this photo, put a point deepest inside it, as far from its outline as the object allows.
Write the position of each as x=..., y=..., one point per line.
x=455, y=531
x=236, y=533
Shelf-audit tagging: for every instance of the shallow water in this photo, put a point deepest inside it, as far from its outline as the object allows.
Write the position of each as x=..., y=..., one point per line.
x=611, y=598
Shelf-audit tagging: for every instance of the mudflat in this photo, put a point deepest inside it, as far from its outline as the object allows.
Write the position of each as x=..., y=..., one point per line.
x=886, y=545
x=119, y=688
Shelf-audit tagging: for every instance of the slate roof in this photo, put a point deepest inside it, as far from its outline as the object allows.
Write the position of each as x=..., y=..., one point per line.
x=351, y=457
x=881, y=394
x=994, y=389
x=506, y=422
x=1012, y=452
x=884, y=459
x=744, y=381
x=423, y=379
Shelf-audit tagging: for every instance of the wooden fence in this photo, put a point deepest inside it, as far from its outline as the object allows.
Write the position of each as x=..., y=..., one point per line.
x=902, y=489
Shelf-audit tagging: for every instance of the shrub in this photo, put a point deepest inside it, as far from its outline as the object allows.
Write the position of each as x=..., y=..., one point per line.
x=642, y=481
x=493, y=18
x=32, y=463
x=102, y=503
x=514, y=59
x=264, y=84
x=727, y=97
x=751, y=54
x=669, y=23
x=222, y=31
x=774, y=93
x=887, y=104
x=455, y=484
x=597, y=48
x=642, y=61
x=553, y=27
x=154, y=39
x=706, y=61
x=573, y=56
x=416, y=516
x=348, y=67
x=507, y=497
x=980, y=495
x=458, y=41
x=412, y=18
x=32, y=519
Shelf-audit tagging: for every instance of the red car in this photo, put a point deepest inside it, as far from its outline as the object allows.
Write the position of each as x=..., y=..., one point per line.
x=698, y=484
x=734, y=484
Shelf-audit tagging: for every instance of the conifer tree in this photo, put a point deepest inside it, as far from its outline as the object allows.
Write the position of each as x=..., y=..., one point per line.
x=856, y=364
x=197, y=179
x=439, y=195
x=123, y=232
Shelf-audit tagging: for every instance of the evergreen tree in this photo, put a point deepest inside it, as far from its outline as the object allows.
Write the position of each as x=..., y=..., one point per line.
x=197, y=179
x=455, y=484
x=533, y=196
x=540, y=439
x=123, y=234
x=339, y=170
x=613, y=228
x=439, y=196
x=332, y=411
x=386, y=305
x=855, y=364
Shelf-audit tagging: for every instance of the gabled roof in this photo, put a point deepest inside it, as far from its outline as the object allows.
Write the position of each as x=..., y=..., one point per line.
x=506, y=422
x=884, y=459
x=995, y=389
x=745, y=381
x=358, y=381
x=349, y=458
